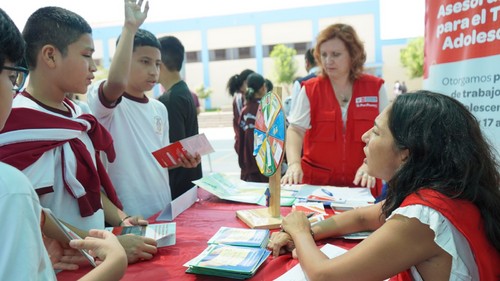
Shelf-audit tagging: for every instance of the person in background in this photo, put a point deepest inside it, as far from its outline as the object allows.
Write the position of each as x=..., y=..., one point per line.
x=181, y=109
x=23, y=255
x=244, y=146
x=237, y=87
x=312, y=70
x=196, y=103
x=440, y=220
x=331, y=112
x=269, y=85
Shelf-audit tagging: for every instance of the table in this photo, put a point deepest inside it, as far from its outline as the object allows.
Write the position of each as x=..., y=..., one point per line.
x=194, y=227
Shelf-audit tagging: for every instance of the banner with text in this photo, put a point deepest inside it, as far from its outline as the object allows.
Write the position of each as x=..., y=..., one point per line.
x=462, y=57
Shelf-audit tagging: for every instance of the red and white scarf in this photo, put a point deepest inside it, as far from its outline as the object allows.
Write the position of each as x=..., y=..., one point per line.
x=29, y=134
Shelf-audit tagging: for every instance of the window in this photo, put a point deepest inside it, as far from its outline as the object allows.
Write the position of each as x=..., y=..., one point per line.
x=301, y=47
x=218, y=54
x=194, y=56
x=245, y=53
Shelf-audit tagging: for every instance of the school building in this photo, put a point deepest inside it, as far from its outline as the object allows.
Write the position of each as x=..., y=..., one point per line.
x=220, y=46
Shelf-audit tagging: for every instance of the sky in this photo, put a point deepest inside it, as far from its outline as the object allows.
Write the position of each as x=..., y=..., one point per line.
x=110, y=12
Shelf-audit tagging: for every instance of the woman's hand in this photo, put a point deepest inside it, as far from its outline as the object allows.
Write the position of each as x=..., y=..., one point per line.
x=363, y=178
x=294, y=174
x=296, y=222
x=280, y=243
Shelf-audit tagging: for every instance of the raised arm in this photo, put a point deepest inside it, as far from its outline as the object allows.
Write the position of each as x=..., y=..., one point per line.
x=120, y=66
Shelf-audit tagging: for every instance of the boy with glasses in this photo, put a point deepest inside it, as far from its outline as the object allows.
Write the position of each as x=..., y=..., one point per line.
x=23, y=256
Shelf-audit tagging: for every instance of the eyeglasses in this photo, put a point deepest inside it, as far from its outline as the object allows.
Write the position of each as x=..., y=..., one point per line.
x=17, y=76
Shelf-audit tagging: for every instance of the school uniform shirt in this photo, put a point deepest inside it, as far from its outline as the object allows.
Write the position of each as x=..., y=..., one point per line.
x=238, y=103
x=244, y=145
x=23, y=255
x=56, y=150
x=139, y=126
x=332, y=148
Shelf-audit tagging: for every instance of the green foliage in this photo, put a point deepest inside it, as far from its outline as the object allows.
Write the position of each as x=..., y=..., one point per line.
x=412, y=57
x=202, y=92
x=284, y=63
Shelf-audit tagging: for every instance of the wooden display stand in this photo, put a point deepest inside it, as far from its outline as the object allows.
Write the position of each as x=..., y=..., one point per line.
x=267, y=218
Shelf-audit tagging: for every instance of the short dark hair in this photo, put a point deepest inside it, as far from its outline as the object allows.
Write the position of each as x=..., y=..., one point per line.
x=172, y=53
x=52, y=26
x=309, y=56
x=144, y=38
x=11, y=42
x=447, y=153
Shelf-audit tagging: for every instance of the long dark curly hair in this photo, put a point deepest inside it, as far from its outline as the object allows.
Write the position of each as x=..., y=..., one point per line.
x=447, y=153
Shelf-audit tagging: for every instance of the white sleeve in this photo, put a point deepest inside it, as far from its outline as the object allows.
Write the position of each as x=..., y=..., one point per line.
x=99, y=110
x=23, y=255
x=383, y=98
x=295, y=92
x=300, y=114
x=447, y=237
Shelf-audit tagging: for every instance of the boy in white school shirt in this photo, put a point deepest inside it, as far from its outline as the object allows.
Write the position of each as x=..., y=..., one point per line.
x=138, y=124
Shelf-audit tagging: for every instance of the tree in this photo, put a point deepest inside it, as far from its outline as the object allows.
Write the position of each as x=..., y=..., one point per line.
x=284, y=64
x=204, y=94
x=412, y=57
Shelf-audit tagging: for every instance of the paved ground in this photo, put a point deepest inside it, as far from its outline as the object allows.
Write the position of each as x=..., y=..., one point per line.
x=217, y=126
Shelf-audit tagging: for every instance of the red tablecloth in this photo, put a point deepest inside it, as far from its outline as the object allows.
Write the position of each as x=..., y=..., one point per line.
x=194, y=227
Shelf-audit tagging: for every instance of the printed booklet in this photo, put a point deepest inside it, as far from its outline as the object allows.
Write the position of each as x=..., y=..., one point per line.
x=241, y=237
x=168, y=155
x=163, y=233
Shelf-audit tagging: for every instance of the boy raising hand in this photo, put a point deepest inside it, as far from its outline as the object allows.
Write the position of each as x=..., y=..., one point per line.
x=138, y=124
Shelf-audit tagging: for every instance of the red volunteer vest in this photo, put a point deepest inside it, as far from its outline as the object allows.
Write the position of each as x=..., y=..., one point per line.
x=466, y=217
x=332, y=156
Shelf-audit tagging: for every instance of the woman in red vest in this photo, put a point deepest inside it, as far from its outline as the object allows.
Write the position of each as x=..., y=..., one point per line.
x=331, y=113
x=441, y=218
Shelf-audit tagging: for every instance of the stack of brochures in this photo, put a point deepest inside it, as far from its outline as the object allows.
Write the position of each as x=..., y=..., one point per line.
x=232, y=252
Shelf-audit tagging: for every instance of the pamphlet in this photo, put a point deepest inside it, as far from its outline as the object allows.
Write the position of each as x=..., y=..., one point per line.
x=241, y=237
x=66, y=234
x=314, y=210
x=339, y=198
x=296, y=273
x=235, y=189
x=163, y=233
x=169, y=156
x=179, y=205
